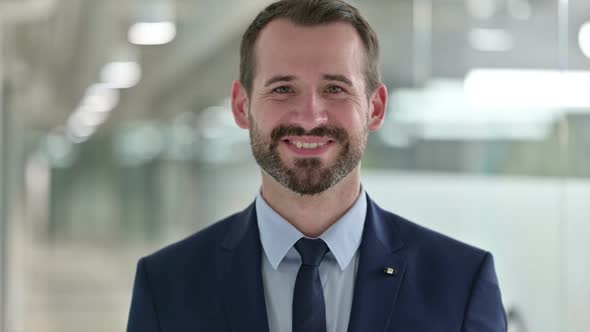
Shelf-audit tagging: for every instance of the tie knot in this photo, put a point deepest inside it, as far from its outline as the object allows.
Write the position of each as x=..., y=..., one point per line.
x=311, y=251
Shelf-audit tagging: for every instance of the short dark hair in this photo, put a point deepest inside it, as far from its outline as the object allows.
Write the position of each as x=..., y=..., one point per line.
x=311, y=13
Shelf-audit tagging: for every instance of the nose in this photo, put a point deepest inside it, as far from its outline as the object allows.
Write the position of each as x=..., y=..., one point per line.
x=311, y=111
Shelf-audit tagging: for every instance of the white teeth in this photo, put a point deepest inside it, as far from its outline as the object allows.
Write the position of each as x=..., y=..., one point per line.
x=306, y=145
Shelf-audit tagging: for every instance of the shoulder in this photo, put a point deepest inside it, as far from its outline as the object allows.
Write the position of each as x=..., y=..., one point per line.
x=198, y=248
x=189, y=266
x=430, y=245
x=443, y=277
x=439, y=263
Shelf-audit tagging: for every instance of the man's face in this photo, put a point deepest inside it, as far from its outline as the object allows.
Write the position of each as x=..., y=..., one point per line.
x=308, y=112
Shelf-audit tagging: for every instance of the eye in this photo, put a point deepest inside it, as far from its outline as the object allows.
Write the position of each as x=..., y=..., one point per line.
x=334, y=89
x=282, y=90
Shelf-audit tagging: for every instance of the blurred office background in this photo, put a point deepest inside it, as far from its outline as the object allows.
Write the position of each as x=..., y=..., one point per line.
x=116, y=138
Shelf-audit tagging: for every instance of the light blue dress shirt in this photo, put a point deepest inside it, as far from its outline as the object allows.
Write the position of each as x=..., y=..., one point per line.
x=280, y=264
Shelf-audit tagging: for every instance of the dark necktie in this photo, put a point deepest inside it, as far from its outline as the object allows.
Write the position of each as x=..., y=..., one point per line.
x=309, y=309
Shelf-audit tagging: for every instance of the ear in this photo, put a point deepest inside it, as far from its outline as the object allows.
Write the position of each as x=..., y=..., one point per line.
x=378, y=107
x=239, y=105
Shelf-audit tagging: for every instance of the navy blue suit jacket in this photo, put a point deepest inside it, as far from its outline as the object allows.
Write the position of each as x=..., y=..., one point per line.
x=212, y=281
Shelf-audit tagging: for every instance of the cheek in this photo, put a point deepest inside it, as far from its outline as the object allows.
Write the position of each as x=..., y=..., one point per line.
x=349, y=115
x=269, y=114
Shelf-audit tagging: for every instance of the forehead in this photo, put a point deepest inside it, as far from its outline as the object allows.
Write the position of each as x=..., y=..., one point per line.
x=286, y=48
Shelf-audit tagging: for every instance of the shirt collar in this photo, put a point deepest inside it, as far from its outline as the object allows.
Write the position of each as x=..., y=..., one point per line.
x=343, y=237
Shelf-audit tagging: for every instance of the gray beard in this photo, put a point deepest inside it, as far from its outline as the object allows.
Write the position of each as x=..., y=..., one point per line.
x=308, y=176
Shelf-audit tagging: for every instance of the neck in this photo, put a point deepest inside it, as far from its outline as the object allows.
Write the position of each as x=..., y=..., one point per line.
x=312, y=214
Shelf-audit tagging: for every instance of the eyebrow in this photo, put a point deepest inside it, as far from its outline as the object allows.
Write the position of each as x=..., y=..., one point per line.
x=339, y=78
x=290, y=78
x=279, y=78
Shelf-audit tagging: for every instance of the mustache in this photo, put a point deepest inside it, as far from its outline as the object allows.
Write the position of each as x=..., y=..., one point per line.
x=335, y=133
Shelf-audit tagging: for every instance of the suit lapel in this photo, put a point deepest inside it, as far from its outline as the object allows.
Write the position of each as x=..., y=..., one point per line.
x=375, y=290
x=241, y=274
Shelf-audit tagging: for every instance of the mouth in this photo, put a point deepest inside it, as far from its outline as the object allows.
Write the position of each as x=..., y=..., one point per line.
x=308, y=145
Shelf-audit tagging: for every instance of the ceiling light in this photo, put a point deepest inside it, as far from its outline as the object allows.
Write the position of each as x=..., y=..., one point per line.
x=101, y=98
x=121, y=74
x=89, y=118
x=152, y=33
x=77, y=132
x=584, y=39
x=528, y=88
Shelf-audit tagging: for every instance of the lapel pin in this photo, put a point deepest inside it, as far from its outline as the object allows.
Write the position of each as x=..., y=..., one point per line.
x=391, y=271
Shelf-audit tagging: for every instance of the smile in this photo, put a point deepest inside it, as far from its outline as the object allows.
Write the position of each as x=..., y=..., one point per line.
x=308, y=144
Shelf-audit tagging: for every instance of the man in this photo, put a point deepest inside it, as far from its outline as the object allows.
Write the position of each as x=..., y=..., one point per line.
x=314, y=252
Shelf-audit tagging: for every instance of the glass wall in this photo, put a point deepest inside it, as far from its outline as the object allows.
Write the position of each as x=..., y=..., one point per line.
x=115, y=143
